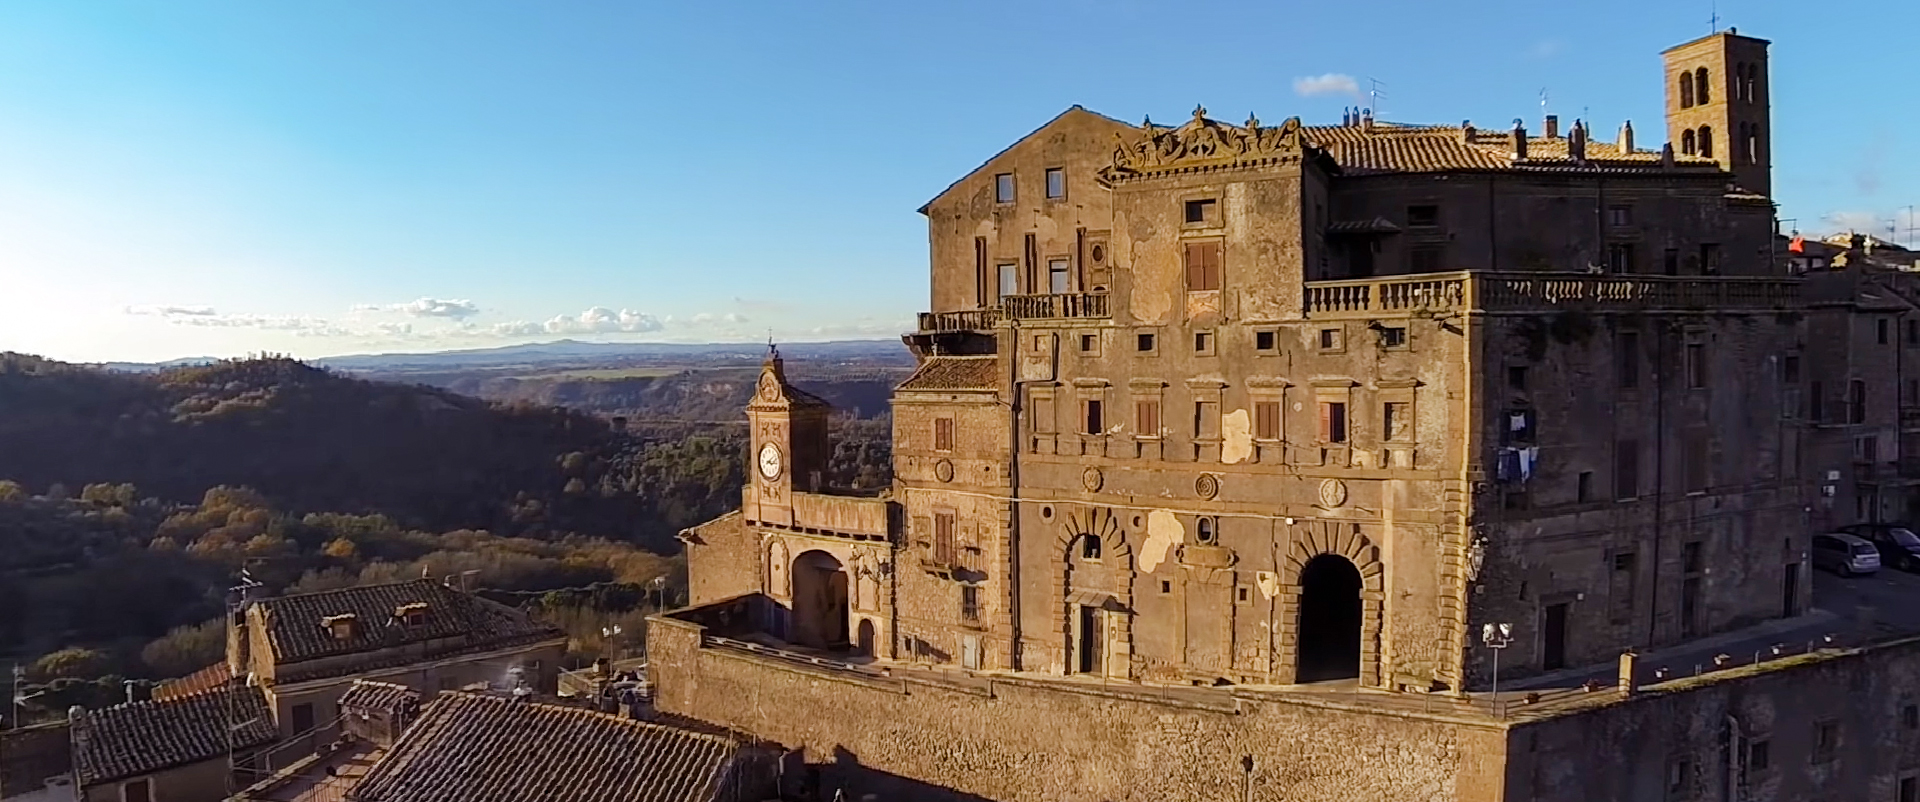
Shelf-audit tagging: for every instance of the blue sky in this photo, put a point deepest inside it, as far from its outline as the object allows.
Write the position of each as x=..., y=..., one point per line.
x=316, y=178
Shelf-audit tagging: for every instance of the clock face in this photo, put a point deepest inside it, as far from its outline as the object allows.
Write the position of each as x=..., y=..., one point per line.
x=769, y=460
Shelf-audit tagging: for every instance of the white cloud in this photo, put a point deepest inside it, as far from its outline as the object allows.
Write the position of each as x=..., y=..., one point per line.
x=707, y=318
x=1863, y=222
x=427, y=307
x=1332, y=83
x=171, y=311
x=598, y=320
x=1546, y=48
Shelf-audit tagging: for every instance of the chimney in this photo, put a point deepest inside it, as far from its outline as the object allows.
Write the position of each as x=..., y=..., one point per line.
x=1628, y=682
x=1626, y=137
x=1553, y=126
x=1577, y=142
x=1466, y=132
x=1519, y=141
x=1346, y=116
x=1366, y=119
x=1666, y=156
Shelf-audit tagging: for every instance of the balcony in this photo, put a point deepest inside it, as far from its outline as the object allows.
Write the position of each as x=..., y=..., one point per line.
x=1055, y=307
x=964, y=320
x=1491, y=291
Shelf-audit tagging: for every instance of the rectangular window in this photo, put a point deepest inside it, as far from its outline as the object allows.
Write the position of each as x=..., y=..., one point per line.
x=1009, y=279
x=1203, y=266
x=1626, y=469
x=1583, y=488
x=1393, y=337
x=1265, y=341
x=1056, y=183
x=1697, y=467
x=1696, y=365
x=1882, y=330
x=1202, y=212
x=1691, y=560
x=982, y=281
x=1910, y=717
x=1759, y=755
x=1426, y=259
x=1146, y=417
x=1826, y=740
x=1710, y=258
x=1913, y=332
x=1333, y=422
x=1620, y=588
x=1790, y=369
x=1203, y=342
x=1089, y=343
x=943, y=434
x=1626, y=359
x=1003, y=188
x=1909, y=789
x=970, y=603
x=1057, y=275
x=1670, y=264
x=1866, y=449
x=1143, y=342
x=1095, y=424
x=140, y=790
x=1043, y=413
x=1396, y=418
x=1424, y=215
x=1816, y=405
x=1856, y=401
x=943, y=524
x=1620, y=257
x=1330, y=340
x=1206, y=420
x=302, y=718
x=1618, y=216
x=1517, y=377
x=1266, y=420
x=1679, y=778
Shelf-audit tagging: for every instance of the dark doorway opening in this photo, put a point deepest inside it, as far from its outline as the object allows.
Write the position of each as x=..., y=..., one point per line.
x=819, y=601
x=864, y=644
x=1690, y=607
x=1092, y=640
x=1329, y=626
x=1790, y=591
x=1553, y=637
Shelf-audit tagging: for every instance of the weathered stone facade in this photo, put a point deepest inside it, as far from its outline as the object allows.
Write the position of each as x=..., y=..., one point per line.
x=1254, y=406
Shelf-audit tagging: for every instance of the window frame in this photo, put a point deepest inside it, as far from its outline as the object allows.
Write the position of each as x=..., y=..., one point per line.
x=1051, y=175
x=1005, y=189
x=1209, y=273
x=943, y=433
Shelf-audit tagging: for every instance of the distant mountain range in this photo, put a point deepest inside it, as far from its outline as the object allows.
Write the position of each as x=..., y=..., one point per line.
x=562, y=353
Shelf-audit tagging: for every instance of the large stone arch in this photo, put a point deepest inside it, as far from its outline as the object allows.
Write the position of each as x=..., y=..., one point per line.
x=1116, y=557
x=1344, y=540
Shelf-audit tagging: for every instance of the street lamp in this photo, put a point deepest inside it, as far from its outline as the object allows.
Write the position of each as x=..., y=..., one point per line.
x=1496, y=637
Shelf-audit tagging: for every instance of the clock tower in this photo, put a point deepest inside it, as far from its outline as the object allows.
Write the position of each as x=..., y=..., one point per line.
x=788, y=447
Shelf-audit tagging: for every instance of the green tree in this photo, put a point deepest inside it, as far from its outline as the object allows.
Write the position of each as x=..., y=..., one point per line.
x=72, y=662
x=186, y=649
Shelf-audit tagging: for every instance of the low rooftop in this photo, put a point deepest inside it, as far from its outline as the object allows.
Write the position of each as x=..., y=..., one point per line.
x=143, y=737
x=311, y=626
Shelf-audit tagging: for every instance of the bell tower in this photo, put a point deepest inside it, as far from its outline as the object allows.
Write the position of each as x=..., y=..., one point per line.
x=1718, y=106
x=788, y=447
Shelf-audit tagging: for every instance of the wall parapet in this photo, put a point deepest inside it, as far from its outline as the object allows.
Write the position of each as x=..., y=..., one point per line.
x=1490, y=291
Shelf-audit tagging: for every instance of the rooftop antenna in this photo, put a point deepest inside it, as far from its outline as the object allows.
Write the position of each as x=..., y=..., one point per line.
x=1713, y=22
x=1374, y=85
x=1543, y=102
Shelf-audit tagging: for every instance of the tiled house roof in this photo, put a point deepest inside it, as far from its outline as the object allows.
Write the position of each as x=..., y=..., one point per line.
x=369, y=695
x=1395, y=148
x=476, y=748
x=144, y=737
x=308, y=626
x=955, y=373
x=205, y=679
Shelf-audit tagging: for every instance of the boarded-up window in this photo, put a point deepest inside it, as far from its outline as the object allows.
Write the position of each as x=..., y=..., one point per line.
x=943, y=434
x=1203, y=266
x=1266, y=420
x=1206, y=420
x=943, y=537
x=1333, y=421
x=1396, y=417
x=1626, y=469
x=1146, y=417
x=1043, y=415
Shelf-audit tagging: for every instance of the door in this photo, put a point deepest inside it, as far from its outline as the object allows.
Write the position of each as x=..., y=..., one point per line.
x=1690, y=607
x=970, y=652
x=1092, y=640
x=1553, y=638
x=1790, y=590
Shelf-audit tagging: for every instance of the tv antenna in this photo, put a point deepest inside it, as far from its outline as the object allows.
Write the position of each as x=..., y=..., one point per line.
x=1374, y=94
x=1713, y=22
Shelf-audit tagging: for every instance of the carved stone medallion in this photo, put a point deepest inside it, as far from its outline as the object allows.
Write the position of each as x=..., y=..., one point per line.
x=943, y=470
x=1333, y=493
x=1092, y=479
x=1206, y=486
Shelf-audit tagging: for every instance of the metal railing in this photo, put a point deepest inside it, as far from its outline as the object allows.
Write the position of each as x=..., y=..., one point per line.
x=1051, y=306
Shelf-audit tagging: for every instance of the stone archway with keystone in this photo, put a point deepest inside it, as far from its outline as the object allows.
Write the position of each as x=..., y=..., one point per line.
x=1117, y=556
x=1342, y=539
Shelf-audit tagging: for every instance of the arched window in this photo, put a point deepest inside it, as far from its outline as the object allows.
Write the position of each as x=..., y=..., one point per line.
x=1686, y=142
x=1686, y=90
x=1753, y=144
x=1706, y=141
x=1739, y=152
x=1204, y=532
x=1089, y=547
x=1700, y=93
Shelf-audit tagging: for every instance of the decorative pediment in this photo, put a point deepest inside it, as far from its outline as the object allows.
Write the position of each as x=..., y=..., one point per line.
x=1203, y=143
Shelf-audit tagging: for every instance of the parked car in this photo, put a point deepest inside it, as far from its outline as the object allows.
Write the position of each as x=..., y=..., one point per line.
x=1844, y=554
x=1898, y=545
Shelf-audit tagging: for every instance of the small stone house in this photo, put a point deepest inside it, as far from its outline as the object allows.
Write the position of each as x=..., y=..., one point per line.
x=180, y=749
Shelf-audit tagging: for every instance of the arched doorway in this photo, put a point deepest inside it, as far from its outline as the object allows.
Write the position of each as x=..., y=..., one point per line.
x=819, y=601
x=1329, y=626
x=864, y=642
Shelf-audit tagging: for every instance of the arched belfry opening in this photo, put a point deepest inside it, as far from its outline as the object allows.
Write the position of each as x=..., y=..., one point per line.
x=819, y=601
x=1330, y=620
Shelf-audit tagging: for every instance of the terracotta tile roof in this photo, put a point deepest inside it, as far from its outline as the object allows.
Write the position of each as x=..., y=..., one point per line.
x=144, y=737
x=955, y=373
x=477, y=748
x=1398, y=148
x=205, y=679
x=296, y=628
x=370, y=695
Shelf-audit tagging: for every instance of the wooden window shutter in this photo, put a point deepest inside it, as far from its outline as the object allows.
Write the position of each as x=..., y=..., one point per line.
x=1326, y=421
x=1203, y=266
